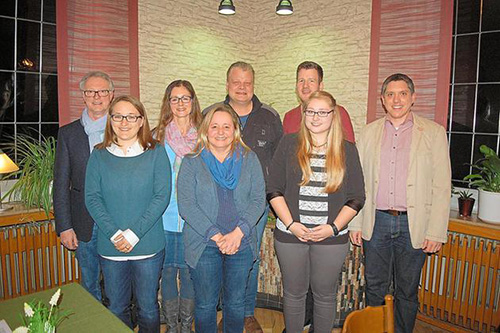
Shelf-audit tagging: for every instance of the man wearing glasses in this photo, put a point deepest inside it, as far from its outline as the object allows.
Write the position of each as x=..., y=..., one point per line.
x=74, y=144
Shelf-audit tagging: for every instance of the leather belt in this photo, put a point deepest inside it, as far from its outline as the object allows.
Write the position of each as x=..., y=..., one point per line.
x=393, y=212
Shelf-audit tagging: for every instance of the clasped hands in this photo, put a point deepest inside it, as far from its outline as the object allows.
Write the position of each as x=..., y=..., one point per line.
x=121, y=243
x=229, y=243
x=316, y=234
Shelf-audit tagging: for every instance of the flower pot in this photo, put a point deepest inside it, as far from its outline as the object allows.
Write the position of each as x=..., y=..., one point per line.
x=465, y=206
x=489, y=206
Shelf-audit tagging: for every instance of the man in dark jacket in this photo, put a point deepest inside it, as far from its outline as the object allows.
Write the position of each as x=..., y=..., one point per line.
x=261, y=131
x=74, y=145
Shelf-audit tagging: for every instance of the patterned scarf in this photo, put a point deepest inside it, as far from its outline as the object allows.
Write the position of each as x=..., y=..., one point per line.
x=181, y=145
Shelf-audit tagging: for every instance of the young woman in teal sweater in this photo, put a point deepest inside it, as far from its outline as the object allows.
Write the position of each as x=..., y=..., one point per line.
x=127, y=189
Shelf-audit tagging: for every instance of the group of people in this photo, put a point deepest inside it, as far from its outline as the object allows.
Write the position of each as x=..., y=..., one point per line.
x=185, y=205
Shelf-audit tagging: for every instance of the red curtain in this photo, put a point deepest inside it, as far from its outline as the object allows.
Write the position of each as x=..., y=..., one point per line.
x=415, y=38
x=95, y=35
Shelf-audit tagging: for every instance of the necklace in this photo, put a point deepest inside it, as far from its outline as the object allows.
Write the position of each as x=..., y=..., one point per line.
x=319, y=146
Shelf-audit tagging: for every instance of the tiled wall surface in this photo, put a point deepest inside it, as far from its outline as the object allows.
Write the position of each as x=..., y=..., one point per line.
x=190, y=40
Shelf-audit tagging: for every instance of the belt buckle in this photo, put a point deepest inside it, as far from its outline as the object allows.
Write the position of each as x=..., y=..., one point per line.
x=394, y=212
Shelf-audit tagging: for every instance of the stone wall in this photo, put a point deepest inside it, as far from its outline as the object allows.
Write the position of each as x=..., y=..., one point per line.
x=194, y=42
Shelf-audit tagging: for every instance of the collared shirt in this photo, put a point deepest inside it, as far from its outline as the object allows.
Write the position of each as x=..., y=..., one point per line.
x=134, y=150
x=394, y=163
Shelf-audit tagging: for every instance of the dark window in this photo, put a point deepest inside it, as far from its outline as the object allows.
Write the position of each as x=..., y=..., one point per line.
x=28, y=69
x=473, y=118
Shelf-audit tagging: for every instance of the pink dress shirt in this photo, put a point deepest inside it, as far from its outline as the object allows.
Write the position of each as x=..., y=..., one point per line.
x=394, y=163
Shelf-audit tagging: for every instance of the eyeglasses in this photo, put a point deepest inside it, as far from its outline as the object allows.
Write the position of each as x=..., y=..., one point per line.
x=92, y=93
x=320, y=113
x=177, y=99
x=118, y=118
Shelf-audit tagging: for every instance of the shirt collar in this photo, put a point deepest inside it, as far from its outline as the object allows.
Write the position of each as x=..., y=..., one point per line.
x=407, y=123
x=134, y=150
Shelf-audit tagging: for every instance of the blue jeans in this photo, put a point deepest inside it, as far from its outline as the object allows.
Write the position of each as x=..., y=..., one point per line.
x=88, y=261
x=253, y=278
x=216, y=271
x=175, y=263
x=141, y=277
x=390, y=257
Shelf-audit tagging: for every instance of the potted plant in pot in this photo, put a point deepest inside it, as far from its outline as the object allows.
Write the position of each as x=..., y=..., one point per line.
x=488, y=183
x=36, y=171
x=465, y=203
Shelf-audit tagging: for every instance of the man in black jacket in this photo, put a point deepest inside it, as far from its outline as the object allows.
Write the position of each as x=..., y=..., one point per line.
x=261, y=131
x=74, y=145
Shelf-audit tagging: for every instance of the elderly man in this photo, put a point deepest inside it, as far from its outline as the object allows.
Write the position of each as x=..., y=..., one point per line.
x=261, y=131
x=309, y=79
x=406, y=166
x=74, y=144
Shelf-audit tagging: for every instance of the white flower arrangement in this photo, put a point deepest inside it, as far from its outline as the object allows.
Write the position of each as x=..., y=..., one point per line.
x=38, y=318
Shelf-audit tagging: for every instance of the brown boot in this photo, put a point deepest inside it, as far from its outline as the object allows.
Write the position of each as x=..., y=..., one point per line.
x=252, y=325
x=220, y=328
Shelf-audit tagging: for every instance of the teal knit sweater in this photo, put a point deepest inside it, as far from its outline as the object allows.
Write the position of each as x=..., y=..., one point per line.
x=128, y=193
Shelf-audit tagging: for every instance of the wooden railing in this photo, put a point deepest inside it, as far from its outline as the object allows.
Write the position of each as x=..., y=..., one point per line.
x=460, y=286
x=31, y=255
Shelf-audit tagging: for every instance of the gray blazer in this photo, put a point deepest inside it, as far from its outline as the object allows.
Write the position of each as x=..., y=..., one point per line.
x=72, y=155
x=199, y=205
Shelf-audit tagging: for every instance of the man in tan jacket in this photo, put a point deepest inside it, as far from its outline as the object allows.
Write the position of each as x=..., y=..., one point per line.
x=406, y=166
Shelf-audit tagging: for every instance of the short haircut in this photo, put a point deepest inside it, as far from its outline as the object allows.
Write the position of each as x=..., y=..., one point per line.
x=310, y=65
x=398, y=77
x=100, y=74
x=243, y=65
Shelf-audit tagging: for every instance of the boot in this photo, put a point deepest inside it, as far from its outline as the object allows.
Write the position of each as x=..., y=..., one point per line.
x=171, y=311
x=187, y=314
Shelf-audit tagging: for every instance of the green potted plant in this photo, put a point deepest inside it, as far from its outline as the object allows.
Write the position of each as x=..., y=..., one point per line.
x=465, y=203
x=487, y=180
x=36, y=171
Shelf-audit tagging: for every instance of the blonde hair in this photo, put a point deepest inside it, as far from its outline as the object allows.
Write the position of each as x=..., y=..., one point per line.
x=335, y=154
x=144, y=135
x=202, y=142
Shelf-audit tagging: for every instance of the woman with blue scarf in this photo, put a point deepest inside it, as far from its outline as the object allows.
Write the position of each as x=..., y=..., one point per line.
x=221, y=196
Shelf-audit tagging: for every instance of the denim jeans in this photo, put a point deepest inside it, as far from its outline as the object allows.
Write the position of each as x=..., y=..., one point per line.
x=141, y=277
x=216, y=271
x=169, y=290
x=390, y=258
x=88, y=261
x=253, y=279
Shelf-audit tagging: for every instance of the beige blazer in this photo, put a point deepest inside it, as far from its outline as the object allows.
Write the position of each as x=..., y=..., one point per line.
x=428, y=187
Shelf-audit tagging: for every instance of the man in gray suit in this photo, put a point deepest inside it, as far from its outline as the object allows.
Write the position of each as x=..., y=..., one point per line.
x=75, y=142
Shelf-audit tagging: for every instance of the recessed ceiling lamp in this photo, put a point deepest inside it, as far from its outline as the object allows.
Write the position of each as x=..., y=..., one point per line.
x=284, y=8
x=226, y=7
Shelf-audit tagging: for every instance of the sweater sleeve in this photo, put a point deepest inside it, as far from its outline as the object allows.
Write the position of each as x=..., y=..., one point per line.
x=161, y=193
x=257, y=202
x=277, y=172
x=189, y=208
x=94, y=199
x=354, y=182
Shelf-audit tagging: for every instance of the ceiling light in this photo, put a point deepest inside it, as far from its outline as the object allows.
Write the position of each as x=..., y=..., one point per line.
x=284, y=7
x=226, y=7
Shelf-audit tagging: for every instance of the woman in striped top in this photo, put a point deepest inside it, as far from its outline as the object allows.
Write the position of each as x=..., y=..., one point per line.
x=316, y=187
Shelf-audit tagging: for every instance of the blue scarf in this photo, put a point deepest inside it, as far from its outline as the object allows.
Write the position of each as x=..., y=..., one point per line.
x=93, y=128
x=227, y=173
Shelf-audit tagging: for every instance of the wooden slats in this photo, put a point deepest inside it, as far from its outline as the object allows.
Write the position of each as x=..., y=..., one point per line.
x=465, y=286
x=33, y=259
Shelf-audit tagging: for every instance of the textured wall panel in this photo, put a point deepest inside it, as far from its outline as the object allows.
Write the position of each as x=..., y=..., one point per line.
x=194, y=42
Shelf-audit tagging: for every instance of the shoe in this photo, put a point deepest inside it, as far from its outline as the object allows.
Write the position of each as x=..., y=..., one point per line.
x=171, y=313
x=220, y=329
x=252, y=325
x=187, y=314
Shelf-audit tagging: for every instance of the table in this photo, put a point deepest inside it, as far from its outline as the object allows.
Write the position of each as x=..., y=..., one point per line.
x=88, y=314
